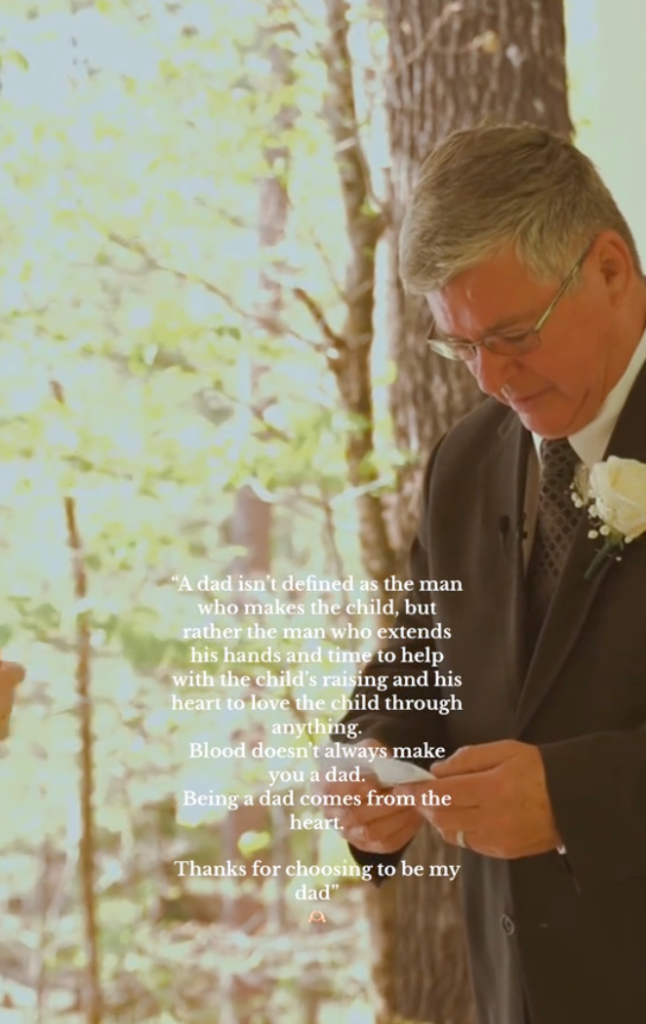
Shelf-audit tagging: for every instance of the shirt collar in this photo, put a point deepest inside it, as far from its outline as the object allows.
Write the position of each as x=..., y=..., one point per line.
x=592, y=440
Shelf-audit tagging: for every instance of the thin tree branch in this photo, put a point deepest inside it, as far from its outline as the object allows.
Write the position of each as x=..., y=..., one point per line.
x=349, y=355
x=93, y=994
x=271, y=323
x=320, y=319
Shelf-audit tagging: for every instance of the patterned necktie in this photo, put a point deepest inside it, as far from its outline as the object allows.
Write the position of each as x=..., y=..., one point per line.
x=555, y=524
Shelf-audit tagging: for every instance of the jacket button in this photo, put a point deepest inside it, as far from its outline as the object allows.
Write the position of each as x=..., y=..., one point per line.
x=508, y=925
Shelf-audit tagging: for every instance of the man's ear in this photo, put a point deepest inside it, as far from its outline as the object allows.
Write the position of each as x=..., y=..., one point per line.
x=615, y=263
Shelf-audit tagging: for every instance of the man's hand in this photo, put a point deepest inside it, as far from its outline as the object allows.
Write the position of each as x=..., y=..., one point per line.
x=11, y=674
x=499, y=800
x=373, y=829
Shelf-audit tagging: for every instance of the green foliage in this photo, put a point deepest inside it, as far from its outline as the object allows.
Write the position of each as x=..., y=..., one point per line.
x=132, y=276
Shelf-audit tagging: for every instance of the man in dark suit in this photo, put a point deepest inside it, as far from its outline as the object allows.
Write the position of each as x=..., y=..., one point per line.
x=533, y=280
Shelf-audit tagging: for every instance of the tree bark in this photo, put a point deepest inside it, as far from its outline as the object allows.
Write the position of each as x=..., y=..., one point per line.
x=92, y=990
x=349, y=351
x=251, y=522
x=451, y=65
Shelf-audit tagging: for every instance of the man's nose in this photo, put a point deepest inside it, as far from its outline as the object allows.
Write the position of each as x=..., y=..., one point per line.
x=491, y=371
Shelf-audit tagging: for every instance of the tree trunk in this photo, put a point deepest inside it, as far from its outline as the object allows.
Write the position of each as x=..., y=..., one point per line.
x=349, y=352
x=452, y=64
x=251, y=523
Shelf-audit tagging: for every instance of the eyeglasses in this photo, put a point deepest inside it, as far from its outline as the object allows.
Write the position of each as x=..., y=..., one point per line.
x=517, y=344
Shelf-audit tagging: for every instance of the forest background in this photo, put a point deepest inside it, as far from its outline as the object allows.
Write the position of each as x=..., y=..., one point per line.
x=208, y=366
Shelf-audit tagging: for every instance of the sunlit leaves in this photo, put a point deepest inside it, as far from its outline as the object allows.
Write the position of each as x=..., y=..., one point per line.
x=135, y=138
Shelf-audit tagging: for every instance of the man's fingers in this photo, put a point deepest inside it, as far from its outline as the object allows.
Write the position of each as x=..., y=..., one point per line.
x=369, y=807
x=449, y=821
x=463, y=791
x=338, y=795
x=381, y=828
x=367, y=813
x=386, y=835
x=478, y=758
x=365, y=783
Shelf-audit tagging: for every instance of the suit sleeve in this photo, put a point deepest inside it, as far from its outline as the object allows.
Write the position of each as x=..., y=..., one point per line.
x=597, y=788
x=400, y=728
x=406, y=727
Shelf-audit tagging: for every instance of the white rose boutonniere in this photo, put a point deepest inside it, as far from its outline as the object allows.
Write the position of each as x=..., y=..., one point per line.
x=615, y=493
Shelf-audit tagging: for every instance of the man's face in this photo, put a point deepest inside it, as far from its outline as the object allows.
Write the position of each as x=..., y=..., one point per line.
x=557, y=388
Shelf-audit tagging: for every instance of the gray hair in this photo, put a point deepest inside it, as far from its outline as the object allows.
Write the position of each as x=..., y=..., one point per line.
x=490, y=187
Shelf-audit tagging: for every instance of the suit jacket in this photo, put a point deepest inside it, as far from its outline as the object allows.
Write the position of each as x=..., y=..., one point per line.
x=568, y=932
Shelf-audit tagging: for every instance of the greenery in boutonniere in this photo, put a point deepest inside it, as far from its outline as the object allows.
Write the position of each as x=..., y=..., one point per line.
x=615, y=494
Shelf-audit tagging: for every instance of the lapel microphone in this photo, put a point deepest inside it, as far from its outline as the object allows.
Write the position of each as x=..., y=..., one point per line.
x=523, y=531
x=504, y=525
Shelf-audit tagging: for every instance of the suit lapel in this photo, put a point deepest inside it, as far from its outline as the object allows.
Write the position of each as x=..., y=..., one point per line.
x=574, y=594
x=504, y=479
x=522, y=445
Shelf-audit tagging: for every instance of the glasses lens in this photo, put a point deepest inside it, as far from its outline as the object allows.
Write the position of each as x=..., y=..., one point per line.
x=512, y=346
x=452, y=351
x=499, y=344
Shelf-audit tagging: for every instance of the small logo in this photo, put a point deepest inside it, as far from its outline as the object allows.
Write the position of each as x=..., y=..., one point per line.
x=317, y=917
